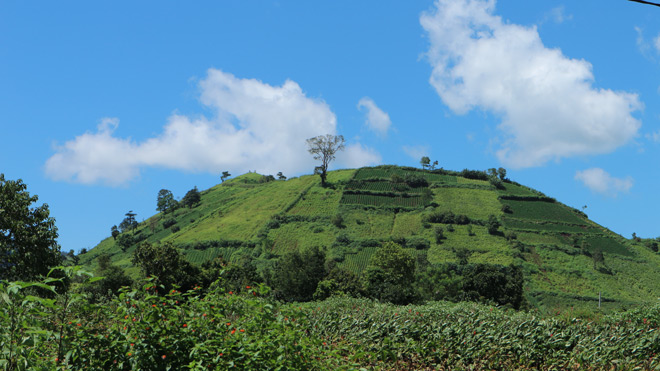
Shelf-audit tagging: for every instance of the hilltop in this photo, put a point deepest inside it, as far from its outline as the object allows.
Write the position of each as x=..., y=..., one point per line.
x=566, y=259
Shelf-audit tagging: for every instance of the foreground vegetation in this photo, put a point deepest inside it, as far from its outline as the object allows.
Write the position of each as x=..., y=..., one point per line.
x=45, y=327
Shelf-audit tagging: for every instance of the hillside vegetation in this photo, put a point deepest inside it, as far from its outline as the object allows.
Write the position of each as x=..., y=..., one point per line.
x=442, y=218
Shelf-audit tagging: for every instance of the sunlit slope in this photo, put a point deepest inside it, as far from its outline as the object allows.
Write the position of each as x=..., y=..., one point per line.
x=555, y=244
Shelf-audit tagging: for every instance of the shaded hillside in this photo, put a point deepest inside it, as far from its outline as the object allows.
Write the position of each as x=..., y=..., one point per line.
x=440, y=216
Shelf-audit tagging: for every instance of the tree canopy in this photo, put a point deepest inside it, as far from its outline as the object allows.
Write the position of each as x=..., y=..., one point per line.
x=166, y=202
x=191, y=198
x=28, y=246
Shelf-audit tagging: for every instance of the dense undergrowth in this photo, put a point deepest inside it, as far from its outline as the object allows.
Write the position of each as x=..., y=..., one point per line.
x=212, y=328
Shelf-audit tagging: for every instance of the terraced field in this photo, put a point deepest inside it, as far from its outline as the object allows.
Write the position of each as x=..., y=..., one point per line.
x=362, y=208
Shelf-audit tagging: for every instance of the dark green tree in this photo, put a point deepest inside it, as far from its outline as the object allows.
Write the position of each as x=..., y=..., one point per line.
x=425, y=162
x=165, y=202
x=501, y=172
x=192, y=198
x=225, y=175
x=114, y=231
x=324, y=148
x=280, y=176
x=129, y=222
x=491, y=283
x=439, y=234
x=493, y=224
x=114, y=278
x=297, y=274
x=28, y=235
x=124, y=241
x=598, y=258
x=167, y=264
x=236, y=276
x=390, y=274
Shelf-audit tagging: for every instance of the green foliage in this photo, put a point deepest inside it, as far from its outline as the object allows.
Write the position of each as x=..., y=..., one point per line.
x=141, y=330
x=425, y=162
x=541, y=210
x=167, y=264
x=113, y=279
x=442, y=335
x=125, y=240
x=338, y=221
x=192, y=198
x=297, y=274
x=493, y=225
x=390, y=274
x=28, y=246
x=165, y=202
x=169, y=222
x=114, y=232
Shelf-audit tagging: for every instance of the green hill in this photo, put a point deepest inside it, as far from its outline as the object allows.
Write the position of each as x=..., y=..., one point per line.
x=558, y=247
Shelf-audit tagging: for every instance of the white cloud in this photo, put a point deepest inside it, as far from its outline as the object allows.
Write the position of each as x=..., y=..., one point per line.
x=598, y=180
x=655, y=136
x=357, y=155
x=256, y=126
x=656, y=43
x=558, y=15
x=416, y=152
x=376, y=120
x=548, y=106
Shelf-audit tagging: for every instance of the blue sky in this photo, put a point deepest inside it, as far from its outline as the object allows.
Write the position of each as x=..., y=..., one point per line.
x=102, y=104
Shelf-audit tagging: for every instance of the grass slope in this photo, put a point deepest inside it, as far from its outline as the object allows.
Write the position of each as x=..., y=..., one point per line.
x=554, y=243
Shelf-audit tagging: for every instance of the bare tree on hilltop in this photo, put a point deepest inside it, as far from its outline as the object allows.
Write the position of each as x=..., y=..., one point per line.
x=324, y=148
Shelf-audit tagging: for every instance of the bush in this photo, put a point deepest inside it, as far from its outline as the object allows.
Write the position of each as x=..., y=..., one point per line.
x=417, y=243
x=439, y=235
x=338, y=221
x=415, y=181
x=175, y=229
x=168, y=223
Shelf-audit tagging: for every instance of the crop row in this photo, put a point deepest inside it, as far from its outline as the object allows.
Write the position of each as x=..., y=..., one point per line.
x=374, y=200
x=550, y=227
x=383, y=186
x=539, y=210
x=471, y=336
x=386, y=173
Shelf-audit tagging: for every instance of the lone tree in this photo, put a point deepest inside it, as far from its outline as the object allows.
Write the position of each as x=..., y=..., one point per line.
x=166, y=201
x=191, y=198
x=225, y=175
x=128, y=222
x=425, y=162
x=114, y=231
x=324, y=148
x=28, y=246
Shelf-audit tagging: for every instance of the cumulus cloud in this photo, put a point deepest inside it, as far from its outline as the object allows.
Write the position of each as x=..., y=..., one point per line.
x=547, y=103
x=357, y=155
x=255, y=126
x=416, y=152
x=377, y=120
x=600, y=181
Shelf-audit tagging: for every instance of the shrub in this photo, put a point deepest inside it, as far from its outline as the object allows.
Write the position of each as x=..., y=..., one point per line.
x=338, y=221
x=168, y=223
x=417, y=243
x=414, y=180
